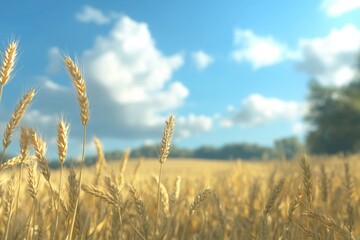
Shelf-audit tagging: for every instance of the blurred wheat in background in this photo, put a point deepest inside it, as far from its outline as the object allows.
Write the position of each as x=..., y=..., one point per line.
x=137, y=199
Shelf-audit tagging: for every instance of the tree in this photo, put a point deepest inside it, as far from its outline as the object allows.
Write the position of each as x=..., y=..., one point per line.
x=334, y=117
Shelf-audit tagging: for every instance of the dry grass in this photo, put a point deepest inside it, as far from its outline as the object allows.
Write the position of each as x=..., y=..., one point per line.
x=313, y=198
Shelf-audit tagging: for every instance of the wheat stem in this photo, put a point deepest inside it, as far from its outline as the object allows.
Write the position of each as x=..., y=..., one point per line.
x=80, y=178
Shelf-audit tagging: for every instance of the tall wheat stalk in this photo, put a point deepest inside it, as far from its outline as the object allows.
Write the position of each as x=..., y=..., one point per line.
x=9, y=202
x=40, y=153
x=80, y=87
x=24, y=152
x=62, y=142
x=101, y=160
x=195, y=205
x=165, y=148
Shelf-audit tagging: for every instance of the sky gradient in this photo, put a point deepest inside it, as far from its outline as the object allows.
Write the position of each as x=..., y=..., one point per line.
x=231, y=71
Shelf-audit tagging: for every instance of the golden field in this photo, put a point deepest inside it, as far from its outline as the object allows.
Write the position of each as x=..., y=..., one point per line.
x=307, y=198
x=240, y=205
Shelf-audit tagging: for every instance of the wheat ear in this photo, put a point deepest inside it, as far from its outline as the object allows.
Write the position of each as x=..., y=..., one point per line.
x=136, y=169
x=8, y=64
x=140, y=210
x=176, y=191
x=330, y=224
x=307, y=182
x=324, y=185
x=80, y=87
x=40, y=152
x=273, y=196
x=101, y=161
x=124, y=161
x=14, y=121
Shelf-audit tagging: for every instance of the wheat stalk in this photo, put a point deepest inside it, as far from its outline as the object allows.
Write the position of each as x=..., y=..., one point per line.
x=14, y=121
x=101, y=161
x=62, y=144
x=73, y=195
x=80, y=87
x=24, y=143
x=9, y=201
x=164, y=199
x=165, y=147
x=140, y=210
x=24, y=151
x=307, y=182
x=294, y=205
x=176, y=191
x=273, y=196
x=31, y=180
x=114, y=191
x=40, y=152
x=324, y=185
x=14, y=161
x=136, y=169
x=93, y=190
x=349, y=194
x=62, y=139
x=275, y=193
x=329, y=223
x=124, y=161
x=200, y=197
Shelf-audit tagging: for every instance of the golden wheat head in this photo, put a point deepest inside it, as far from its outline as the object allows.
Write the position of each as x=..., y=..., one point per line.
x=40, y=152
x=8, y=62
x=17, y=115
x=24, y=143
x=199, y=199
x=62, y=139
x=80, y=87
x=166, y=139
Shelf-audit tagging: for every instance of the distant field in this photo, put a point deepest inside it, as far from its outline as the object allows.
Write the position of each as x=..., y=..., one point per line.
x=180, y=166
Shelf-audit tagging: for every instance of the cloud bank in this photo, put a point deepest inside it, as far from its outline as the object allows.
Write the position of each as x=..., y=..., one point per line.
x=130, y=88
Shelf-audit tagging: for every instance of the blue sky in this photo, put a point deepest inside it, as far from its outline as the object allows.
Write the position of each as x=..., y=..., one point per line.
x=230, y=71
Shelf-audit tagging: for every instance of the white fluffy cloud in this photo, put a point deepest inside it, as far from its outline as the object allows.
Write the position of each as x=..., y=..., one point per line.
x=202, y=60
x=130, y=88
x=335, y=8
x=300, y=127
x=192, y=123
x=90, y=14
x=331, y=59
x=257, y=110
x=260, y=51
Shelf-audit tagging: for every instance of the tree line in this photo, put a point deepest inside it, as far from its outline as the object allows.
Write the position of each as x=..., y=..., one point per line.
x=285, y=149
x=334, y=117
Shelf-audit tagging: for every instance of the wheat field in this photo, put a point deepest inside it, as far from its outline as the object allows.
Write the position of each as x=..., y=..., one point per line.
x=164, y=198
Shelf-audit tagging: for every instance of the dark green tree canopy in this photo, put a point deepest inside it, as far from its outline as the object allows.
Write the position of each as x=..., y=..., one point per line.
x=334, y=118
